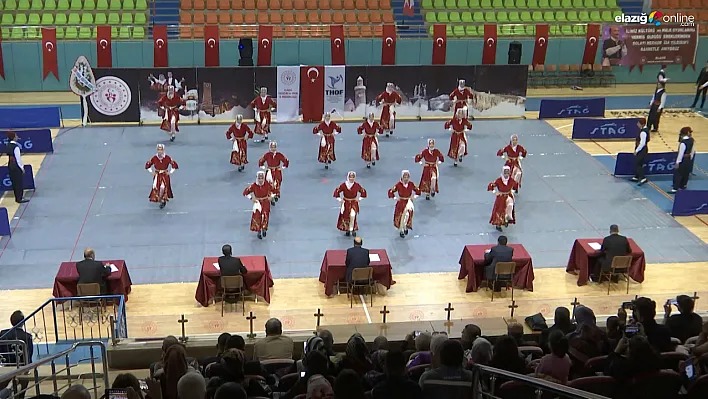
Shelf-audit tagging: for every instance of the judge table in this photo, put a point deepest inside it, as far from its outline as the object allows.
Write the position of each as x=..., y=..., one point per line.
x=67, y=279
x=583, y=258
x=258, y=280
x=334, y=269
x=472, y=266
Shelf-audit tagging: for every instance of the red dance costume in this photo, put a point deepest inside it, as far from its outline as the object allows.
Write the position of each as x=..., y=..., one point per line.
x=274, y=164
x=460, y=98
x=161, y=180
x=458, y=137
x=370, y=145
x=404, y=203
x=387, y=122
x=504, y=202
x=239, y=133
x=171, y=106
x=326, y=145
x=349, y=210
x=513, y=156
x=261, y=208
x=263, y=106
x=430, y=169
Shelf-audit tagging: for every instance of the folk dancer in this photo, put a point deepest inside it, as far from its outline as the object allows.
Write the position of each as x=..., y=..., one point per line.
x=263, y=106
x=461, y=97
x=171, y=102
x=701, y=87
x=261, y=194
x=159, y=165
x=684, y=160
x=503, y=212
x=641, y=149
x=389, y=98
x=351, y=193
x=403, y=212
x=458, y=125
x=239, y=133
x=327, y=130
x=430, y=158
x=273, y=163
x=513, y=153
x=656, y=106
x=370, y=146
x=661, y=76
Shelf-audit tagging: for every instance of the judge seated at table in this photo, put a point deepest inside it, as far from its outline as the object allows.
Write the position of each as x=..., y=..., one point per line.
x=93, y=272
x=357, y=257
x=229, y=265
x=612, y=245
x=498, y=253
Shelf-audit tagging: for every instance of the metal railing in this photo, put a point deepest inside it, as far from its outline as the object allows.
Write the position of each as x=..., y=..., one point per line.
x=62, y=321
x=51, y=379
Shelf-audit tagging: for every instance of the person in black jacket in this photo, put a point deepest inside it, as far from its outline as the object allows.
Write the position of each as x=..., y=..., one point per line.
x=357, y=257
x=16, y=333
x=612, y=245
x=16, y=167
x=701, y=87
x=229, y=265
x=498, y=253
x=93, y=272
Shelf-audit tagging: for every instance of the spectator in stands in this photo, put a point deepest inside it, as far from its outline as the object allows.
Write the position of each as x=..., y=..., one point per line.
x=174, y=367
x=166, y=343
x=128, y=381
x=375, y=376
x=408, y=345
x=220, y=348
x=313, y=344
x=16, y=333
x=328, y=339
x=561, y=322
x=191, y=386
x=356, y=357
x=482, y=351
x=658, y=335
x=587, y=341
x=76, y=392
x=686, y=324
x=555, y=365
x=397, y=385
x=230, y=390
x=422, y=347
x=93, y=272
x=315, y=363
x=633, y=356
x=506, y=356
x=318, y=387
x=236, y=342
x=231, y=370
x=230, y=265
x=614, y=330
x=436, y=344
x=348, y=385
x=380, y=343
x=469, y=335
x=275, y=345
x=450, y=369
x=516, y=331
x=213, y=384
x=701, y=347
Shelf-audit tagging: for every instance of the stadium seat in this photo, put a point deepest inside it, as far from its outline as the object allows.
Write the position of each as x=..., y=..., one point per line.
x=124, y=32
x=498, y=4
x=100, y=19
x=36, y=5
x=485, y=4
x=595, y=16
x=466, y=17
x=74, y=19
x=458, y=30
x=101, y=5
x=514, y=17
x=89, y=5
x=554, y=4
x=23, y=5
x=490, y=17
x=211, y=18
x=113, y=19
x=572, y=16
x=583, y=16
x=525, y=17
x=471, y=30
x=521, y=4
x=454, y=17
x=141, y=19
x=128, y=5
x=560, y=16
x=60, y=19
x=543, y=4
x=10, y=5
x=47, y=19
x=443, y=17
x=549, y=16
x=478, y=16
x=7, y=19
x=84, y=32
x=502, y=17
x=276, y=18
x=566, y=30
x=611, y=4
x=375, y=18
x=607, y=16
x=86, y=19
x=114, y=5
x=439, y=4
x=185, y=5
x=530, y=30
x=600, y=4
x=473, y=4
x=140, y=5
x=33, y=20
x=532, y=4
x=509, y=4
x=388, y=17
x=537, y=16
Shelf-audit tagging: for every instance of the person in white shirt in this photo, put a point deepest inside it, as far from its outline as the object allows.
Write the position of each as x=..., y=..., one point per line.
x=686, y=152
x=656, y=106
x=16, y=167
x=641, y=149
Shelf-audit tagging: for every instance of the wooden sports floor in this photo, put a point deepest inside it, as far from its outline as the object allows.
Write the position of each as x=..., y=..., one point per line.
x=153, y=309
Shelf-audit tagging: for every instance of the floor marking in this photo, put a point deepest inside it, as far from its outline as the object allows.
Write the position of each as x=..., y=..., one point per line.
x=88, y=211
x=366, y=310
x=564, y=126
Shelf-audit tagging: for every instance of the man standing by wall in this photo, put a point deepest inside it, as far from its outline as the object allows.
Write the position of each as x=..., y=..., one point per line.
x=17, y=168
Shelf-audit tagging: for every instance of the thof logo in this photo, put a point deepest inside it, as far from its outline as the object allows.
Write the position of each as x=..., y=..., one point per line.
x=112, y=96
x=334, y=81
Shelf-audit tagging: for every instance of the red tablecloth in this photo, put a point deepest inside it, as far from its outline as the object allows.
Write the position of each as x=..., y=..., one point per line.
x=258, y=280
x=583, y=258
x=68, y=277
x=333, y=269
x=472, y=266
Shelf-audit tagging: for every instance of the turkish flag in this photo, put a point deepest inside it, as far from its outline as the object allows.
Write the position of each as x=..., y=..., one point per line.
x=439, y=44
x=159, y=39
x=541, y=45
x=409, y=8
x=388, y=45
x=312, y=93
x=592, y=38
x=336, y=39
x=265, y=45
x=103, y=47
x=2, y=67
x=211, y=46
x=49, y=52
x=489, y=53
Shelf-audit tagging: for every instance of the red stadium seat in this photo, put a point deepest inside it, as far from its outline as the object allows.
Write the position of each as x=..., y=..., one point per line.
x=224, y=5
x=211, y=18
x=237, y=5
x=362, y=17
x=350, y=17
x=338, y=17
x=336, y=4
x=186, y=5
x=250, y=18
x=324, y=5
x=224, y=18
x=237, y=18
x=288, y=18
x=385, y=4
x=263, y=18
x=349, y=4
x=199, y=4
x=198, y=18
x=373, y=4
x=286, y=5
x=313, y=18
x=212, y=5
x=301, y=18
x=276, y=18
x=274, y=5
x=375, y=17
x=353, y=31
x=262, y=5
x=326, y=17
x=299, y=4
x=311, y=5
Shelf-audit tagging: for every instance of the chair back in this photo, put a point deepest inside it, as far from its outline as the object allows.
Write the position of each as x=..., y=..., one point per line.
x=596, y=364
x=534, y=351
x=362, y=274
x=448, y=389
x=287, y=381
x=621, y=262
x=505, y=268
x=663, y=384
x=699, y=389
x=599, y=384
x=672, y=360
x=415, y=372
x=277, y=366
x=92, y=289
x=232, y=282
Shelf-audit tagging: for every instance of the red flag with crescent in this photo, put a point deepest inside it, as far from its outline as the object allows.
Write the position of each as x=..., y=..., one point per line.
x=439, y=44
x=2, y=67
x=159, y=38
x=211, y=46
x=336, y=39
x=541, y=45
x=265, y=45
x=592, y=40
x=489, y=53
x=388, y=45
x=49, y=52
x=312, y=92
x=104, y=53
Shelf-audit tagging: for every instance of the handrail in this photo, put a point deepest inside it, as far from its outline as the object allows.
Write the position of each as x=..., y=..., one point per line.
x=19, y=343
x=29, y=367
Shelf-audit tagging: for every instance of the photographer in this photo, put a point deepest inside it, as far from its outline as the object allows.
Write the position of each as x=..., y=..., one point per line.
x=686, y=324
x=644, y=312
x=633, y=356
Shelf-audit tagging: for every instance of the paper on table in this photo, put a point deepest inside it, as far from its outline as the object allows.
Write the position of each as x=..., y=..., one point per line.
x=374, y=258
x=216, y=266
x=113, y=268
x=594, y=245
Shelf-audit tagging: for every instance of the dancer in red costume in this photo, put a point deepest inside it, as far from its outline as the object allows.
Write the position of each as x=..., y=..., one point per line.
x=159, y=165
x=370, y=146
x=261, y=194
x=271, y=163
x=513, y=153
x=430, y=158
x=263, y=106
x=503, y=212
x=327, y=130
x=403, y=212
x=171, y=102
x=239, y=133
x=461, y=96
x=389, y=98
x=351, y=193
x=459, y=126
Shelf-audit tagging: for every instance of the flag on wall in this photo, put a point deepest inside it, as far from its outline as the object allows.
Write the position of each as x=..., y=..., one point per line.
x=388, y=45
x=211, y=46
x=439, y=44
x=592, y=37
x=159, y=37
x=288, y=96
x=49, y=52
x=336, y=38
x=312, y=87
x=265, y=45
x=408, y=8
x=489, y=53
x=541, y=45
x=103, y=47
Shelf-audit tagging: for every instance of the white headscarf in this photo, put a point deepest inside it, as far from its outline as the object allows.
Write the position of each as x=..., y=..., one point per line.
x=505, y=179
x=259, y=174
x=389, y=88
x=273, y=146
x=511, y=141
x=431, y=142
x=403, y=173
x=461, y=84
x=160, y=147
x=347, y=183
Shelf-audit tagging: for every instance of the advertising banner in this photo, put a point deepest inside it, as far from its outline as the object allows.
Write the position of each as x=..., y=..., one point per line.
x=661, y=163
x=29, y=117
x=690, y=202
x=499, y=90
x=572, y=108
x=606, y=129
x=334, y=81
x=30, y=141
x=643, y=44
x=116, y=97
x=153, y=83
x=27, y=177
x=223, y=93
x=288, y=94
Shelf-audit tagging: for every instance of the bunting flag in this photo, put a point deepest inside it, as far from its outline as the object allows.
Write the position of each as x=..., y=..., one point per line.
x=159, y=38
x=541, y=45
x=104, y=53
x=265, y=45
x=592, y=39
x=211, y=46
x=489, y=54
x=336, y=39
x=312, y=82
x=2, y=67
x=388, y=45
x=49, y=53
x=439, y=44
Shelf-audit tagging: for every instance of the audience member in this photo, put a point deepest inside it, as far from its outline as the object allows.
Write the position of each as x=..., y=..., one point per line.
x=633, y=356
x=506, y=356
x=555, y=365
x=612, y=245
x=357, y=257
x=76, y=392
x=191, y=386
x=313, y=344
x=318, y=387
x=614, y=330
x=231, y=370
x=658, y=335
x=439, y=338
x=356, y=356
x=315, y=363
x=230, y=265
x=561, y=322
x=397, y=385
x=686, y=324
x=156, y=367
x=516, y=331
x=701, y=347
x=236, y=342
x=128, y=381
x=275, y=345
x=450, y=369
x=498, y=253
x=482, y=352
x=348, y=385
x=17, y=332
x=375, y=376
x=422, y=347
x=212, y=386
x=380, y=343
x=469, y=335
x=328, y=340
x=174, y=367
x=230, y=390
x=220, y=348
x=93, y=272
x=587, y=341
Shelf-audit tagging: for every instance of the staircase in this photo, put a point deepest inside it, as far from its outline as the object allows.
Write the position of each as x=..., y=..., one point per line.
x=166, y=13
x=408, y=26
x=631, y=6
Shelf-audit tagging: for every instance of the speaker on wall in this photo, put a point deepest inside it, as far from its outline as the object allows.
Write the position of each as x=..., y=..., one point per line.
x=514, y=53
x=245, y=50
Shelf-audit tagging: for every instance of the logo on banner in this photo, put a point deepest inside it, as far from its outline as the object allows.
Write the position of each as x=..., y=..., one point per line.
x=657, y=18
x=574, y=110
x=288, y=77
x=335, y=86
x=112, y=96
x=609, y=129
x=23, y=144
x=660, y=165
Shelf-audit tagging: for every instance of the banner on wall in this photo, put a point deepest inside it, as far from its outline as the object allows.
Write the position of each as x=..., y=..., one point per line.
x=690, y=202
x=572, y=108
x=499, y=90
x=661, y=163
x=288, y=97
x=115, y=98
x=631, y=45
x=334, y=81
x=606, y=129
x=35, y=141
x=153, y=84
x=223, y=93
